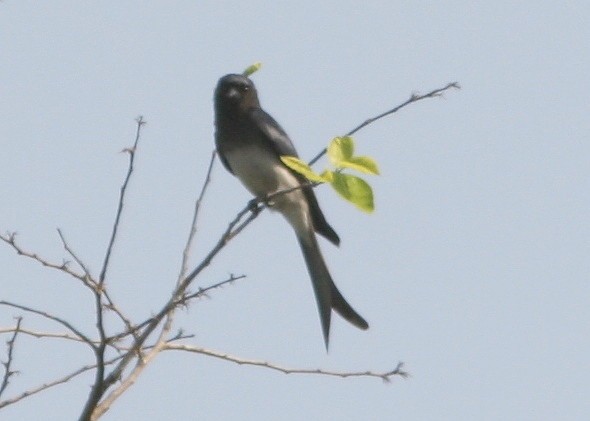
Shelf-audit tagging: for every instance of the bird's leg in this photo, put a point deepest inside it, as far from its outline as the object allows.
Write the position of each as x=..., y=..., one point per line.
x=254, y=205
x=267, y=200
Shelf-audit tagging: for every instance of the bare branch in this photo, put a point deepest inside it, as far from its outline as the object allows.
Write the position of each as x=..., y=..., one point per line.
x=131, y=151
x=80, y=263
x=202, y=292
x=100, y=387
x=10, y=239
x=63, y=336
x=59, y=381
x=386, y=376
x=413, y=98
x=38, y=335
x=144, y=359
x=73, y=374
x=110, y=305
x=59, y=320
x=141, y=364
x=152, y=323
x=193, y=230
x=103, y=406
x=8, y=372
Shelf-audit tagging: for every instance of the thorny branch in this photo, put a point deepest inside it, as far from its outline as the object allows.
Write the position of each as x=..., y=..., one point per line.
x=138, y=334
x=100, y=386
x=40, y=334
x=10, y=239
x=71, y=375
x=397, y=371
x=8, y=372
x=59, y=320
x=193, y=230
x=435, y=93
x=103, y=273
x=151, y=324
x=56, y=382
x=202, y=292
x=89, y=281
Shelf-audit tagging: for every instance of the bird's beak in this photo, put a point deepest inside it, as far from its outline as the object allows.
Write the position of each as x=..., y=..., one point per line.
x=233, y=94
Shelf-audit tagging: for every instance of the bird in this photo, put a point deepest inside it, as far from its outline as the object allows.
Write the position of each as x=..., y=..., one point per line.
x=250, y=143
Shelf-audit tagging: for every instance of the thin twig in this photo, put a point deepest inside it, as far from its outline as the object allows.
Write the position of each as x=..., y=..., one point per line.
x=413, y=98
x=10, y=239
x=61, y=336
x=132, y=377
x=143, y=360
x=100, y=386
x=87, y=277
x=8, y=372
x=193, y=230
x=59, y=320
x=152, y=323
x=73, y=374
x=110, y=305
x=103, y=406
x=386, y=376
x=202, y=292
x=131, y=151
x=39, y=335
x=230, y=232
x=59, y=381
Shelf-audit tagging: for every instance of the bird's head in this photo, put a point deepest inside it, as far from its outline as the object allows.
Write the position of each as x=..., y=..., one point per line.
x=235, y=92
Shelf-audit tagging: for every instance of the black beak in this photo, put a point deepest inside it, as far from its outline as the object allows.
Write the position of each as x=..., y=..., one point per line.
x=233, y=94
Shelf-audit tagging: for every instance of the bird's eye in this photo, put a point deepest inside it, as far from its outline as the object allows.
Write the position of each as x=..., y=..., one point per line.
x=245, y=88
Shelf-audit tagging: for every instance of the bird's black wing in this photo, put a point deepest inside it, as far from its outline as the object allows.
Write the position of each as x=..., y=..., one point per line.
x=278, y=140
x=273, y=133
x=224, y=161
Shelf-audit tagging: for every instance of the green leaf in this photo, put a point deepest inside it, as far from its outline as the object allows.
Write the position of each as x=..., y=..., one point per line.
x=340, y=149
x=327, y=175
x=302, y=168
x=355, y=190
x=253, y=68
x=363, y=164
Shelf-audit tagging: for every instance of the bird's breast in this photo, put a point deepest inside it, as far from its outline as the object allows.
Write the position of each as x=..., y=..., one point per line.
x=260, y=170
x=262, y=173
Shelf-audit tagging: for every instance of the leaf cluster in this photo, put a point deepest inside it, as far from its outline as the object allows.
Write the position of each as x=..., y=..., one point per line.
x=341, y=155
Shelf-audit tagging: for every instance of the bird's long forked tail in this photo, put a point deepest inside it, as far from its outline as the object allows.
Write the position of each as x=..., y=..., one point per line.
x=326, y=293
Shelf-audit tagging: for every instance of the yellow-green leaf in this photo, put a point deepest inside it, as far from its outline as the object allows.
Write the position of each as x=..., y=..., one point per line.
x=302, y=168
x=253, y=68
x=327, y=175
x=363, y=164
x=355, y=190
x=340, y=149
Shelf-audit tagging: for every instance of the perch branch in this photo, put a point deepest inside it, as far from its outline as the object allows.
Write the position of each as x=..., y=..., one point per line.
x=435, y=93
x=385, y=376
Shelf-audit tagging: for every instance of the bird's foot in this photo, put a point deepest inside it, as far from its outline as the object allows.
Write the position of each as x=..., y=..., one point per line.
x=254, y=206
x=258, y=203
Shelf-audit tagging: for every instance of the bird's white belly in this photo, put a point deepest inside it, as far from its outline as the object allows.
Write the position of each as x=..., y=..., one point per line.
x=260, y=171
x=262, y=174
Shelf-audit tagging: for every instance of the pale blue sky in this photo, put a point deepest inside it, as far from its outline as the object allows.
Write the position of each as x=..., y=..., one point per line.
x=473, y=270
